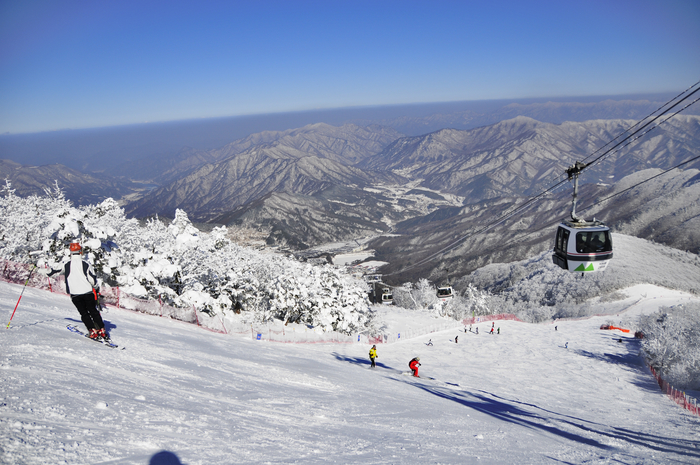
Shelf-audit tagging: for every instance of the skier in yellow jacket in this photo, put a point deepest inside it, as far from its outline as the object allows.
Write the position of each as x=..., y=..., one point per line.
x=373, y=355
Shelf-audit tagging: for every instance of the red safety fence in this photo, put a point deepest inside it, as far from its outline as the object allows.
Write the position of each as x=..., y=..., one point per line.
x=679, y=397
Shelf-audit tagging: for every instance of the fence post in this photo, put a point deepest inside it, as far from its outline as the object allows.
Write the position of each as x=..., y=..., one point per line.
x=222, y=324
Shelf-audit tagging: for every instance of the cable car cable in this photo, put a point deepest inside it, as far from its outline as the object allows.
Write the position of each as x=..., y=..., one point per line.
x=631, y=136
x=639, y=183
x=640, y=121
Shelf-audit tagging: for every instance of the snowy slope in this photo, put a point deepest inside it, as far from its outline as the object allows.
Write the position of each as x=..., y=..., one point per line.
x=518, y=397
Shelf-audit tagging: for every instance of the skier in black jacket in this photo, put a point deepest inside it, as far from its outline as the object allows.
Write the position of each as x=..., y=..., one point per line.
x=81, y=284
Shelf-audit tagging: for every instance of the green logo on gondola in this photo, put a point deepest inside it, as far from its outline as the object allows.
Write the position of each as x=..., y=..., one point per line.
x=582, y=267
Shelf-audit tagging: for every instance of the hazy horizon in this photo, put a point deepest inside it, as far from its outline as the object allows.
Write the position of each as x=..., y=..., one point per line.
x=72, y=146
x=415, y=109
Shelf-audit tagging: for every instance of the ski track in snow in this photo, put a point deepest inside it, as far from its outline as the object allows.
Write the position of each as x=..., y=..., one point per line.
x=518, y=397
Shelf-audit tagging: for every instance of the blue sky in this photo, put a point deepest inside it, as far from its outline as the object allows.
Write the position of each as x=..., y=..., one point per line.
x=77, y=64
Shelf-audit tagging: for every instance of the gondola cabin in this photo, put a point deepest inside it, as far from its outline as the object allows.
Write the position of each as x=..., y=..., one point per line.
x=387, y=297
x=444, y=293
x=582, y=246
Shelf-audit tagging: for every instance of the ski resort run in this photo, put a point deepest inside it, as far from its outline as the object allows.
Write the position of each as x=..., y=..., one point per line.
x=560, y=392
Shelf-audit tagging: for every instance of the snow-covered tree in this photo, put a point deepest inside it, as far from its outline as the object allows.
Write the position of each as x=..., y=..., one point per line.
x=671, y=344
x=180, y=265
x=423, y=295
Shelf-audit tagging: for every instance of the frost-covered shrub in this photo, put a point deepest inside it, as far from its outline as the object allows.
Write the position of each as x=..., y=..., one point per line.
x=334, y=305
x=178, y=264
x=423, y=296
x=24, y=223
x=671, y=344
x=415, y=296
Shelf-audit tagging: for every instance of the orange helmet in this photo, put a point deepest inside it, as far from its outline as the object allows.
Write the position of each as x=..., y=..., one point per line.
x=75, y=247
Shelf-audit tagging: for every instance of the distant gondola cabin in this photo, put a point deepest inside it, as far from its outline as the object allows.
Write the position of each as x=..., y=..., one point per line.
x=444, y=293
x=387, y=297
x=582, y=246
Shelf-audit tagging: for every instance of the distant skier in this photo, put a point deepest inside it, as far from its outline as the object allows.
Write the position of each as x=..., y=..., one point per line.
x=413, y=365
x=430, y=342
x=373, y=355
x=566, y=345
x=477, y=330
x=81, y=284
x=491, y=332
x=555, y=328
x=498, y=331
x=456, y=339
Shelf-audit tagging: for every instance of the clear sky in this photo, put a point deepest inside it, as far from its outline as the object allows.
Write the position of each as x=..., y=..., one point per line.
x=77, y=64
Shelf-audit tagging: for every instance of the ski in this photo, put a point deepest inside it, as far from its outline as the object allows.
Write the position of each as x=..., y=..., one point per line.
x=75, y=329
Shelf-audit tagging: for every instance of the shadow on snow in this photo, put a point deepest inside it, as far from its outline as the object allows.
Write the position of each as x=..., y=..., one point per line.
x=109, y=326
x=571, y=428
x=363, y=362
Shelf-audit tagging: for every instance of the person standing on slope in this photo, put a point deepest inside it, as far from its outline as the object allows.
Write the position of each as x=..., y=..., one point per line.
x=81, y=284
x=373, y=355
x=413, y=365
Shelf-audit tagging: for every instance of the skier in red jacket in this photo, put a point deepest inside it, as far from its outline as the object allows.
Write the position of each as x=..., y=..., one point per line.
x=413, y=365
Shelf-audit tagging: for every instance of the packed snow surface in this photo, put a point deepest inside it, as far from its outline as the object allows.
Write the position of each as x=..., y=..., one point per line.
x=181, y=393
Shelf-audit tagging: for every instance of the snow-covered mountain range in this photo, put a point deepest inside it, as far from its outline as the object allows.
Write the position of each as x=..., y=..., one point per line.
x=305, y=200
x=322, y=183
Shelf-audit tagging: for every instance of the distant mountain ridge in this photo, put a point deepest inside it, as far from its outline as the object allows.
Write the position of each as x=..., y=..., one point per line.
x=346, y=144
x=217, y=188
x=78, y=187
x=521, y=156
x=554, y=111
x=111, y=150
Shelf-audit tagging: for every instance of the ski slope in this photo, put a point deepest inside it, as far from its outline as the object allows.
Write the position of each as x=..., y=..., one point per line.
x=520, y=397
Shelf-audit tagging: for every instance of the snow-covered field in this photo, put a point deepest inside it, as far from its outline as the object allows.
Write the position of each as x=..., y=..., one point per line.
x=520, y=397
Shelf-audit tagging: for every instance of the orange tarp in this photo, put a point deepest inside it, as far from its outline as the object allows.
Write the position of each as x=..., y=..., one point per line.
x=615, y=327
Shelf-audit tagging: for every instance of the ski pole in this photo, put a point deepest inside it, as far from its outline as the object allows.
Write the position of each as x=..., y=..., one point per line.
x=36, y=252
x=20, y=296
